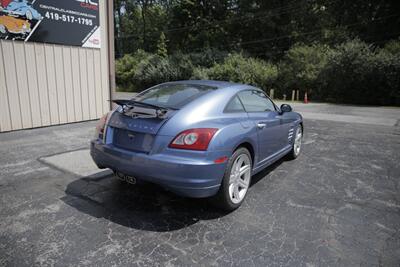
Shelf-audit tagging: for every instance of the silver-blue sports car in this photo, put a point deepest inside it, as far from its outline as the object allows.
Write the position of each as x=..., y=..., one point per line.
x=22, y=8
x=197, y=138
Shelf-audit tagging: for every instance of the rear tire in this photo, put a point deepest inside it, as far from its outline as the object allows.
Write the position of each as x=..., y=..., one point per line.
x=236, y=181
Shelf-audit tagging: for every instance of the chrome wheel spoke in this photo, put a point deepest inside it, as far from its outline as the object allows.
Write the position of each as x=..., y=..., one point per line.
x=239, y=164
x=232, y=178
x=242, y=183
x=236, y=194
x=244, y=170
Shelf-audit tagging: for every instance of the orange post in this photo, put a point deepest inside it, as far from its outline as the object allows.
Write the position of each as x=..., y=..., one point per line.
x=305, y=98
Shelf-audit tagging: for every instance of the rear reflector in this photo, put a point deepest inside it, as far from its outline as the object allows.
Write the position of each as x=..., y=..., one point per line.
x=221, y=160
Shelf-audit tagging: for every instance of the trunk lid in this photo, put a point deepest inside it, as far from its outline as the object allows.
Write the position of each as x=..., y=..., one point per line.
x=135, y=133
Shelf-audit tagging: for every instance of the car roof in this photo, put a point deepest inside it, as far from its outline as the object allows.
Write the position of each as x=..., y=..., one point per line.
x=217, y=84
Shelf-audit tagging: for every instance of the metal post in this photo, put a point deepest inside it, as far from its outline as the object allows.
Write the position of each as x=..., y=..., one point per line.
x=271, y=93
x=111, y=51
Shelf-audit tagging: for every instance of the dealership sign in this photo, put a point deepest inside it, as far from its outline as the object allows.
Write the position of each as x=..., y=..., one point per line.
x=66, y=22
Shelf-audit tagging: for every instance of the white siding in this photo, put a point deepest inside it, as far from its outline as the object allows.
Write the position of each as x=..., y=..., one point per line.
x=32, y=78
x=47, y=84
x=5, y=119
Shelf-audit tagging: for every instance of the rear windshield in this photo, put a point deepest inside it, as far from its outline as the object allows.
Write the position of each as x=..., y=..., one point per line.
x=173, y=95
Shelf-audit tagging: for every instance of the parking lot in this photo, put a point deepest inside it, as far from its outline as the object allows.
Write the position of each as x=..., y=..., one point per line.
x=337, y=204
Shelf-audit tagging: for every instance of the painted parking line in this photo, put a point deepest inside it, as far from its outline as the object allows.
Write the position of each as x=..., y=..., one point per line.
x=78, y=162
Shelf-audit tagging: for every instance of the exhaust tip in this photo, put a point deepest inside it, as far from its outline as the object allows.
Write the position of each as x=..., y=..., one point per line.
x=130, y=179
x=126, y=178
x=120, y=175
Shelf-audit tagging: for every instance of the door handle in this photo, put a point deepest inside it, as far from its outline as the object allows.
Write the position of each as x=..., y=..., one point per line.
x=261, y=125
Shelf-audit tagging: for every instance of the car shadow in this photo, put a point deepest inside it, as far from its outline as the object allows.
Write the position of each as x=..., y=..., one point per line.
x=259, y=176
x=144, y=206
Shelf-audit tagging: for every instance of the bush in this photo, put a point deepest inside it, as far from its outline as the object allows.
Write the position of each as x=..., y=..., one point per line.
x=358, y=73
x=300, y=68
x=207, y=58
x=151, y=71
x=200, y=73
x=392, y=47
x=237, y=68
x=385, y=76
x=157, y=69
x=352, y=72
x=125, y=69
x=182, y=65
x=141, y=70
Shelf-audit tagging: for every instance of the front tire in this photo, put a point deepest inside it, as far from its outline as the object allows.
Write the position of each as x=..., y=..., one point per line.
x=297, y=143
x=29, y=15
x=236, y=181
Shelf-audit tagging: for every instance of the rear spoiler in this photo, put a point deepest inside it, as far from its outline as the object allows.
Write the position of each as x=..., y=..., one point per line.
x=128, y=108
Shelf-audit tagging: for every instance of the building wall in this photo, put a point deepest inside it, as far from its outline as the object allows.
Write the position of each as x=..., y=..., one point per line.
x=47, y=84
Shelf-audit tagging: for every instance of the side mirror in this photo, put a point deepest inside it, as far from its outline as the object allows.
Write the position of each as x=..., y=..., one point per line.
x=285, y=108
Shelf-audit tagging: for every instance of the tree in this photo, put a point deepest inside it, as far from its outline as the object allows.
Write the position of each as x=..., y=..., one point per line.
x=199, y=25
x=162, y=46
x=301, y=66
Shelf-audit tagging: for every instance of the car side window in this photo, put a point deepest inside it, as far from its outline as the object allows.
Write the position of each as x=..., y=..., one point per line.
x=256, y=101
x=234, y=106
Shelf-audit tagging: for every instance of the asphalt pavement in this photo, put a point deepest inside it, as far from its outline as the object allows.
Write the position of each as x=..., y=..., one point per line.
x=338, y=204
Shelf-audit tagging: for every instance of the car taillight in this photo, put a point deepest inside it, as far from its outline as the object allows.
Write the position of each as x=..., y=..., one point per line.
x=193, y=139
x=101, y=125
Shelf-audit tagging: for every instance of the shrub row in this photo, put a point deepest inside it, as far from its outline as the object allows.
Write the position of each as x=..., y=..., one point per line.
x=352, y=72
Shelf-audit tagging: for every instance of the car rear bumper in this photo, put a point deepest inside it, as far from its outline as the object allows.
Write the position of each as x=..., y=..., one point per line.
x=187, y=177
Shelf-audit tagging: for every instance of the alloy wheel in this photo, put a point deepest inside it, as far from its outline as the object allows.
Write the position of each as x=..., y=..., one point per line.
x=297, y=141
x=239, y=178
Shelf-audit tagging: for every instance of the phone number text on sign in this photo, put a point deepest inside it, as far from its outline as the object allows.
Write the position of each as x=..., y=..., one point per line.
x=68, y=18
